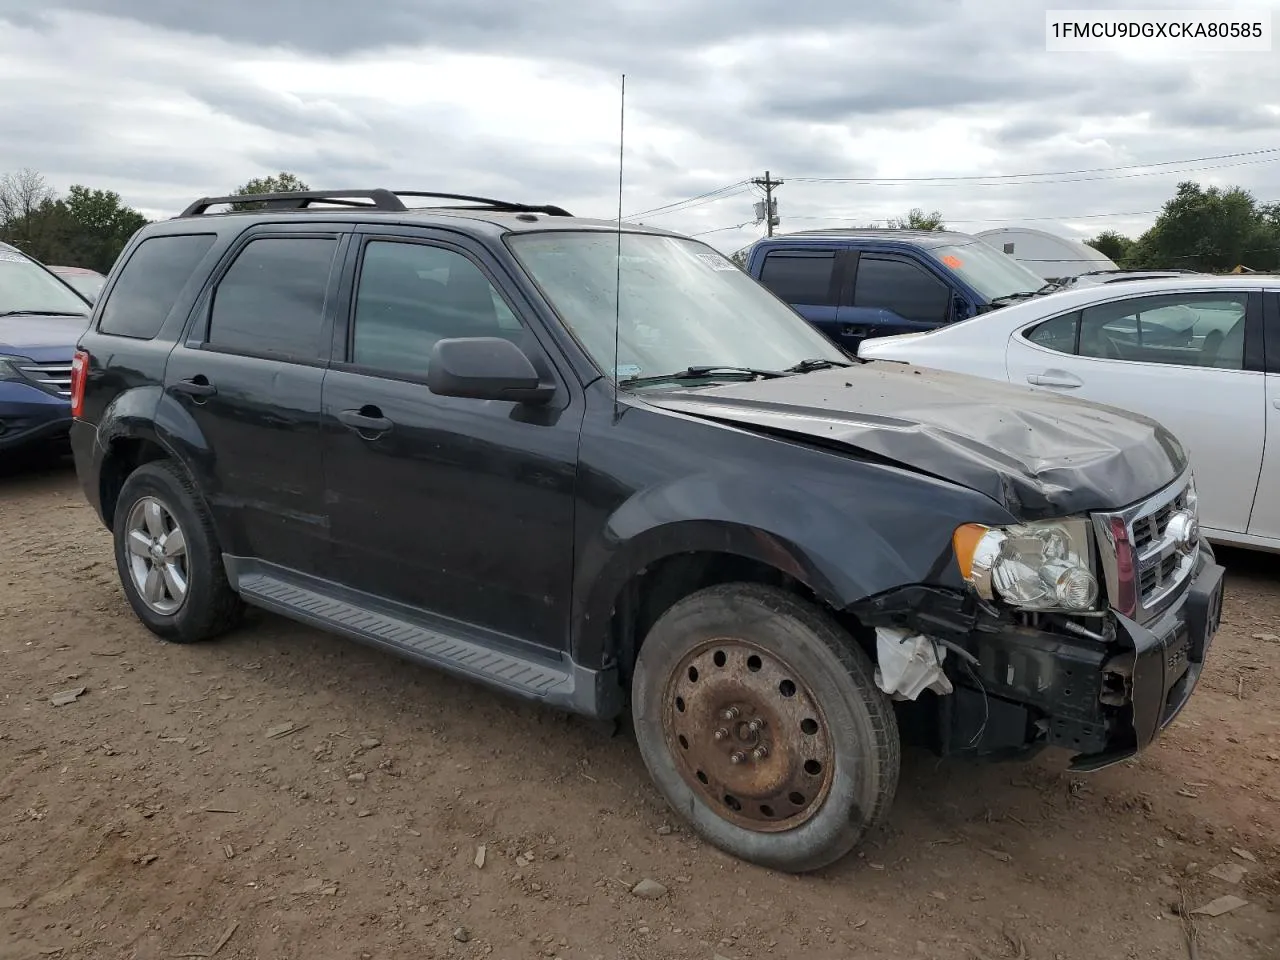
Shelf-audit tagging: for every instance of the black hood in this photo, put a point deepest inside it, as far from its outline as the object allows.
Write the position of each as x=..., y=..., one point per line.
x=1038, y=454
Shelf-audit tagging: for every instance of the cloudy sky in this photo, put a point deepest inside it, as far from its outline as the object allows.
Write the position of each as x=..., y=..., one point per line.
x=167, y=100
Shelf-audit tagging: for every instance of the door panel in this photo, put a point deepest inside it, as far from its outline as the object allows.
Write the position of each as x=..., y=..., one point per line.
x=461, y=508
x=890, y=295
x=1215, y=408
x=249, y=375
x=808, y=279
x=1265, y=521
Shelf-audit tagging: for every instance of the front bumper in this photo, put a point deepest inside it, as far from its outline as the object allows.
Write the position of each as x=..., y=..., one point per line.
x=31, y=417
x=1103, y=701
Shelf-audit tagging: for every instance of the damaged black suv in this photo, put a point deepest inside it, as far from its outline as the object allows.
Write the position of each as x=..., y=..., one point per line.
x=599, y=466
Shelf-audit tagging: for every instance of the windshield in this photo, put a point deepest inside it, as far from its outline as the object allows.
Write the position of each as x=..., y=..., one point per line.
x=682, y=305
x=26, y=287
x=992, y=273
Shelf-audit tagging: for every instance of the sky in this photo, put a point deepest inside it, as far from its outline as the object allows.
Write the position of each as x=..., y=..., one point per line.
x=164, y=101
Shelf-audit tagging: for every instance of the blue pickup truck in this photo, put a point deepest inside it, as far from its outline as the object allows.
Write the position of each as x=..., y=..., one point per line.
x=854, y=284
x=41, y=318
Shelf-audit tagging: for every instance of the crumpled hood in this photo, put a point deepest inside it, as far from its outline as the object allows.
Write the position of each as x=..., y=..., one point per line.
x=1038, y=454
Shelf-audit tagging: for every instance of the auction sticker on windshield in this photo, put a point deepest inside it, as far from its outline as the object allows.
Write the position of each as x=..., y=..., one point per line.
x=953, y=262
x=715, y=261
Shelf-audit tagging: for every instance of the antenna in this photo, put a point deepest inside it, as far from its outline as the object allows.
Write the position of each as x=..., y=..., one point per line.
x=617, y=285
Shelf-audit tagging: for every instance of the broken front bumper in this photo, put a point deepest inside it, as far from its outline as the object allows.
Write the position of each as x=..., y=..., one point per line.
x=1104, y=701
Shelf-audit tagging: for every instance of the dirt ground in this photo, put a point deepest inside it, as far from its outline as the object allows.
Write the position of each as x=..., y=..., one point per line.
x=157, y=816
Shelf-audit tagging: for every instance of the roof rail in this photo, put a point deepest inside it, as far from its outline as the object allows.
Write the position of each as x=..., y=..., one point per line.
x=375, y=199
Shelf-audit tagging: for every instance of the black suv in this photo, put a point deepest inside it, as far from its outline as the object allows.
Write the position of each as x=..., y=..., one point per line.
x=594, y=464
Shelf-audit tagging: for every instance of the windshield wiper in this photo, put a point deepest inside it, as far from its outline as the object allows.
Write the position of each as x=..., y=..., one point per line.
x=1025, y=294
x=705, y=372
x=808, y=366
x=41, y=313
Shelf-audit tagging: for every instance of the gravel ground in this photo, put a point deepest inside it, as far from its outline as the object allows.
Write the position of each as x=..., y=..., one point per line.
x=282, y=793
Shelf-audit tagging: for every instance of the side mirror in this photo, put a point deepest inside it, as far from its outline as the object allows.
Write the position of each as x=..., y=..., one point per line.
x=485, y=368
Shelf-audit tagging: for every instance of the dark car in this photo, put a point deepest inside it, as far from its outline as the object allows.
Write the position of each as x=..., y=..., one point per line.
x=855, y=284
x=40, y=320
x=450, y=432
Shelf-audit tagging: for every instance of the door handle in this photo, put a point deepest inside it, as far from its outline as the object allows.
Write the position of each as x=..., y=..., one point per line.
x=197, y=386
x=366, y=420
x=1055, y=380
x=1276, y=403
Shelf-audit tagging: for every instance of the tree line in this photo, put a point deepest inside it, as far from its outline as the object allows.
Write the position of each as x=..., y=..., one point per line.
x=1210, y=229
x=86, y=227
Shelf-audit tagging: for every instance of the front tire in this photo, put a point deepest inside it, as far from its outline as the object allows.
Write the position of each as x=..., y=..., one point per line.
x=168, y=559
x=759, y=720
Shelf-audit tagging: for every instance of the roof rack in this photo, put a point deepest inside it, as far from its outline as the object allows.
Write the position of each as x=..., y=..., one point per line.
x=376, y=199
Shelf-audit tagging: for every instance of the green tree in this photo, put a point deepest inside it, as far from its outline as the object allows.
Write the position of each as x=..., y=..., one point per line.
x=740, y=257
x=100, y=225
x=1113, y=245
x=917, y=219
x=1210, y=229
x=282, y=182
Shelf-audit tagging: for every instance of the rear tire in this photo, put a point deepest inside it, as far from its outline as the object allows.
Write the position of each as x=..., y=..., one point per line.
x=168, y=558
x=733, y=655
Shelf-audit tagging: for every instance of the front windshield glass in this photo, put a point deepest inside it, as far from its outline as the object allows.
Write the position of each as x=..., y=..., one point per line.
x=25, y=287
x=992, y=273
x=682, y=304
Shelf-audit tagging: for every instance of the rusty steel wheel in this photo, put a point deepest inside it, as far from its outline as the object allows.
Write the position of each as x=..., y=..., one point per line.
x=759, y=720
x=748, y=735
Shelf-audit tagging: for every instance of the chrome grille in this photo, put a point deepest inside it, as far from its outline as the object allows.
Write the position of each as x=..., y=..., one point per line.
x=54, y=377
x=1163, y=562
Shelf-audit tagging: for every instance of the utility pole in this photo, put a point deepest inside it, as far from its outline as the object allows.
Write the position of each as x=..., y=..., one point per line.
x=768, y=210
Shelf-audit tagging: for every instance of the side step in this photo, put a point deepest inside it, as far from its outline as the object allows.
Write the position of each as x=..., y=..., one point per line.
x=562, y=684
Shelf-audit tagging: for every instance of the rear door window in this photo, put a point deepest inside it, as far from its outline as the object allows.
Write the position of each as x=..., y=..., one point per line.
x=271, y=300
x=800, y=276
x=150, y=282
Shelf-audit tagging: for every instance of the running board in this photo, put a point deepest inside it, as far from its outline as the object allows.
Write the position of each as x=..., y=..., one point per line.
x=561, y=684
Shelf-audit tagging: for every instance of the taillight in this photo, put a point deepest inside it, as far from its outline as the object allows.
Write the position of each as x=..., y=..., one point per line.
x=1126, y=569
x=79, y=373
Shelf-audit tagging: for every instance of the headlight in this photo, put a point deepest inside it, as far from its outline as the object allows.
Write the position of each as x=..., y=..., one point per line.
x=9, y=368
x=1031, y=566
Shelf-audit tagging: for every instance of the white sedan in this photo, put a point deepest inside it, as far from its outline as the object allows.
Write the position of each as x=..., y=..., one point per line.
x=1201, y=355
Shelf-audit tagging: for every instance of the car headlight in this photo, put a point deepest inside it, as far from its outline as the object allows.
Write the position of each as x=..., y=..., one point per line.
x=1045, y=565
x=9, y=368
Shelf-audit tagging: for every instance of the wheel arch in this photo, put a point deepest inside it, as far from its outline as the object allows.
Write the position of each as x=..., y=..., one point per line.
x=667, y=563
x=139, y=427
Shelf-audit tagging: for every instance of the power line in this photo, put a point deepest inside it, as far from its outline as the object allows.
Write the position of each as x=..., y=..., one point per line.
x=1055, y=173
x=710, y=194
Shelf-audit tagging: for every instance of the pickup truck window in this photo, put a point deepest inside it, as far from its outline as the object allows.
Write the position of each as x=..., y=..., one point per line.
x=410, y=295
x=150, y=282
x=901, y=287
x=682, y=304
x=800, y=276
x=271, y=300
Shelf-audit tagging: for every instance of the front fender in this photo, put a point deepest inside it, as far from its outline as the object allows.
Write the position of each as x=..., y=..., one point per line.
x=846, y=535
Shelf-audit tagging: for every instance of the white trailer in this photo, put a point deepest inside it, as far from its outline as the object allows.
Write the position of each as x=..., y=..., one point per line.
x=1046, y=254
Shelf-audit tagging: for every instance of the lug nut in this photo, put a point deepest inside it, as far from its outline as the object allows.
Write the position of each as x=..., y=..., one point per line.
x=721, y=734
x=730, y=714
x=756, y=725
x=760, y=752
x=738, y=757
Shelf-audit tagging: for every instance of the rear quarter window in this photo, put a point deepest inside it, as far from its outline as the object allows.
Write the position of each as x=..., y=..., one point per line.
x=150, y=282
